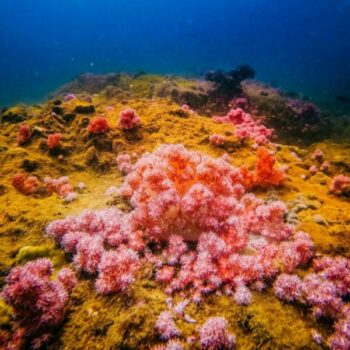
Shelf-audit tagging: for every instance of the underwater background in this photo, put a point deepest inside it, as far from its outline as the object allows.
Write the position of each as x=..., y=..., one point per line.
x=174, y=175
x=298, y=45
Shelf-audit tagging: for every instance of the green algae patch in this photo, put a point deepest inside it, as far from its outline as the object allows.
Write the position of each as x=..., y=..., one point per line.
x=29, y=253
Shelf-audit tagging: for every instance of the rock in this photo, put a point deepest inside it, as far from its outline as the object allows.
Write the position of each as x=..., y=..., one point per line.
x=91, y=156
x=58, y=110
x=180, y=113
x=29, y=165
x=85, y=109
x=68, y=117
x=12, y=118
x=320, y=220
x=57, y=102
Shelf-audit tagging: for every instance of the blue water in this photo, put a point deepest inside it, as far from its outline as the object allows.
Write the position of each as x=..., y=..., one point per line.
x=299, y=45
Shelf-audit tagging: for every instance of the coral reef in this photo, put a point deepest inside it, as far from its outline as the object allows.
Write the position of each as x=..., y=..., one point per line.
x=193, y=231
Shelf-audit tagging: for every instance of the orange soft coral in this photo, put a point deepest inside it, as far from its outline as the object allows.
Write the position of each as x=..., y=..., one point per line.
x=265, y=174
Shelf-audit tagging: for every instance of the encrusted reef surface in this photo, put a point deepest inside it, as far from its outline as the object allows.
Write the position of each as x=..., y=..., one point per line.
x=147, y=212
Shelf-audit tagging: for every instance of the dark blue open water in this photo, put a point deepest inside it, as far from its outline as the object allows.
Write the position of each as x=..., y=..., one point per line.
x=299, y=45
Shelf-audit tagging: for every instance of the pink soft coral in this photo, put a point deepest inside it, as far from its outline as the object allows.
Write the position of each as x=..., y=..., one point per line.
x=317, y=155
x=246, y=127
x=340, y=184
x=166, y=326
x=180, y=196
x=129, y=120
x=61, y=186
x=124, y=163
x=116, y=270
x=288, y=287
x=38, y=303
x=214, y=336
x=217, y=140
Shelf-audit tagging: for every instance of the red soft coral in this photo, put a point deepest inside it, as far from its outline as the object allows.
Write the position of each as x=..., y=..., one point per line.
x=54, y=141
x=24, y=134
x=98, y=125
x=25, y=184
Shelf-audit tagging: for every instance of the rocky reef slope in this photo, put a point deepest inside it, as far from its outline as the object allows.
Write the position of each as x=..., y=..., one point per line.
x=309, y=147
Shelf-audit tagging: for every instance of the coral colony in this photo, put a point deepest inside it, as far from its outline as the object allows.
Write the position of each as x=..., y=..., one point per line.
x=180, y=196
x=246, y=127
x=54, y=141
x=129, y=120
x=98, y=125
x=196, y=221
x=24, y=134
x=38, y=302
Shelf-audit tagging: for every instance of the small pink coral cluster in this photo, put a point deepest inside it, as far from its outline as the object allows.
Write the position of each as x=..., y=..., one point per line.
x=217, y=140
x=166, y=326
x=214, y=335
x=246, y=127
x=325, y=291
x=340, y=185
x=323, y=165
x=178, y=196
x=129, y=120
x=124, y=163
x=61, y=186
x=38, y=302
